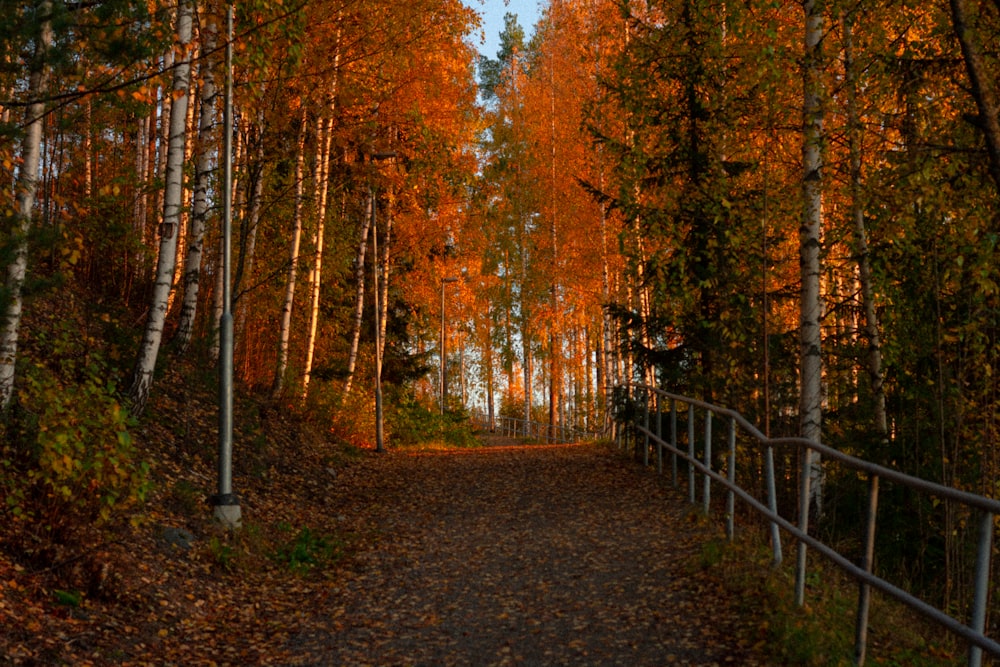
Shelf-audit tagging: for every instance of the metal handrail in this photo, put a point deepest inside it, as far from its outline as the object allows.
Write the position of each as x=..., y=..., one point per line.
x=972, y=632
x=515, y=427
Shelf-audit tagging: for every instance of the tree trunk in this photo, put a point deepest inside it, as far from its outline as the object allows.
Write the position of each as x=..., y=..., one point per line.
x=324, y=137
x=293, y=267
x=811, y=378
x=982, y=88
x=243, y=280
x=203, y=172
x=27, y=186
x=142, y=375
x=860, y=233
x=383, y=284
x=359, y=292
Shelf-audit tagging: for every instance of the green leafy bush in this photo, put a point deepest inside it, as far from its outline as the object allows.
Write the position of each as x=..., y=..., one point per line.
x=415, y=424
x=69, y=456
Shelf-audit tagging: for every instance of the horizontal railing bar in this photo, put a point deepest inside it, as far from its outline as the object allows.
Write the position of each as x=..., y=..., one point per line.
x=541, y=427
x=933, y=613
x=933, y=488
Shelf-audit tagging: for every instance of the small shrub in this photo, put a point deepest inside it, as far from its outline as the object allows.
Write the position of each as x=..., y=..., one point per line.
x=69, y=457
x=414, y=424
x=223, y=553
x=307, y=550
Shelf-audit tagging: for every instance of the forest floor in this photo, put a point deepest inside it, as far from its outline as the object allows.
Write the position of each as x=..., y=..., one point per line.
x=504, y=554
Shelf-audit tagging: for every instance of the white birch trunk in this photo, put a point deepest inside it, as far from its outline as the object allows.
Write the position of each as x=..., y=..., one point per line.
x=141, y=167
x=27, y=186
x=142, y=375
x=359, y=292
x=323, y=139
x=184, y=223
x=811, y=367
x=293, y=266
x=525, y=331
x=200, y=208
x=383, y=284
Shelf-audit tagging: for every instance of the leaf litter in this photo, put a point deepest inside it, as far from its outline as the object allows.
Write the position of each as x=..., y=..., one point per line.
x=562, y=555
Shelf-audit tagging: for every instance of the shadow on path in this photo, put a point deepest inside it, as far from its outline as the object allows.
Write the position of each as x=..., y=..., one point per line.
x=538, y=555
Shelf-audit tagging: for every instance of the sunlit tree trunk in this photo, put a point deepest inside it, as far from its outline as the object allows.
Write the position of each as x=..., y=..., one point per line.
x=383, y=283
x=88, y=149
x=555, y=333
x=242, y=281
x=293, y=266
x=160, y=144
x=324, y=137
x=26, y=188
x=184, y=222
x=525, y=327
x=489, y=367
x=359, y=291
x=203, y=172
x=141, y=169
x=142, y=375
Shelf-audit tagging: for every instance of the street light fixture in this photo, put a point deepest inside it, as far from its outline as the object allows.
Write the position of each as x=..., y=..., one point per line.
x=379, y=421
x=444, y=346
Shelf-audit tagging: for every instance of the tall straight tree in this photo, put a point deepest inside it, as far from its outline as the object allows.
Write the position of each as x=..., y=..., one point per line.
x=359, y=290
x=293, y=265
x=203, y=171
x=810, y=308
x=27, y=187
x=983, y=86
x=142, y=375
x=861, y=251
x=324, y=134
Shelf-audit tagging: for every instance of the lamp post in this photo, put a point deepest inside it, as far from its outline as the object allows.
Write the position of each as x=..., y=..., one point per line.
x=444, y=346
x=227, y=505
x=379, y=422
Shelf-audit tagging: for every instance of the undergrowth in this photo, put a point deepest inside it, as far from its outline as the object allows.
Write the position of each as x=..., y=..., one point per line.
x=821, y=632
x=416, y=425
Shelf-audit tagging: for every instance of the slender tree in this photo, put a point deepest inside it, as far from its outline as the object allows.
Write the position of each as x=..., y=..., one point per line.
x=142, y=375
x=26, y=189
x=202, y=177
x=293, y=265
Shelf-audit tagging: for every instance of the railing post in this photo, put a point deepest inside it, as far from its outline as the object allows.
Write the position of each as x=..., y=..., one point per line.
x=772, y=504
x=690, y=453
x=645, y=423
x=731, y=474
x=982, y=584
x=659, y=434
x=804, y=490
x=864, y=591
x=673, y=439
x=707, y=484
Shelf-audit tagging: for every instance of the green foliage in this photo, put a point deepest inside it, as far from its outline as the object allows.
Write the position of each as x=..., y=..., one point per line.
x=223, y=553
x=68, y=598
x=822, y=631
x=69, y=456
x=417, y=424
x=307, y=550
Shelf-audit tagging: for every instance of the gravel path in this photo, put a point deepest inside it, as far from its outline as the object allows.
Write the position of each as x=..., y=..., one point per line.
x=557, y=555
